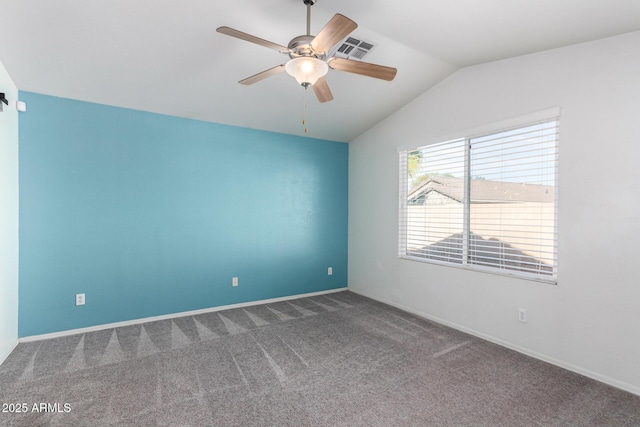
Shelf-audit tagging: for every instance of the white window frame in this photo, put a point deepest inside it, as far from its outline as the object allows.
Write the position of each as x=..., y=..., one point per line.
x=467, y=136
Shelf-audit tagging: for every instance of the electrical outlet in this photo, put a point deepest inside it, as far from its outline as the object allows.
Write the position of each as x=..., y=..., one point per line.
x=79, y=299
x=522, y=315
x=330, y=271
x=234, y=282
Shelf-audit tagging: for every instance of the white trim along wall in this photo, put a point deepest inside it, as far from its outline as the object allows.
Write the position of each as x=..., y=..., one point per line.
x=173, y=316
x=8, y=217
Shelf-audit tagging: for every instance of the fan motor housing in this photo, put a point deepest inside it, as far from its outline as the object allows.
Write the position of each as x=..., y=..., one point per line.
x=301, y=46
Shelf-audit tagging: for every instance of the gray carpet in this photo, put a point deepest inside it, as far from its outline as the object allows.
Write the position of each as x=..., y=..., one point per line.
x=335, y=360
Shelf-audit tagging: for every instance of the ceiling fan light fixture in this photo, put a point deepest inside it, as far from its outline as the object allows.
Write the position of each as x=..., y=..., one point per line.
x=306, y=70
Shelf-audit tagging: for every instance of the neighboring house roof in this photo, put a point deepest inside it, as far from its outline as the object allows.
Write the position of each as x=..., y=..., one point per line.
x=482, y=251
x=483, y=191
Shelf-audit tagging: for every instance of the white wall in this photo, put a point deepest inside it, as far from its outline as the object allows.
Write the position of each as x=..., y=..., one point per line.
x=8, y=217
x=589, y=321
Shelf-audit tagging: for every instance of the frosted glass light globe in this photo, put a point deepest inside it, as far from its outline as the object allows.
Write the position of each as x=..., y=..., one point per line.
x=306, y=70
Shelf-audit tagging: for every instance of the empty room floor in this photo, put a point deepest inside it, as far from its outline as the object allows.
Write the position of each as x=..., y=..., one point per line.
x=334, y=360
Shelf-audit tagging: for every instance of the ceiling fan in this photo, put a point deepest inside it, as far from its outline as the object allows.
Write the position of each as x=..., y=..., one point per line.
x=308, y=62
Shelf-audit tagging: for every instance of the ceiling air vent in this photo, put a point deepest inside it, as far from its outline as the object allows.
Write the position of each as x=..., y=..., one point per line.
x=351, y=48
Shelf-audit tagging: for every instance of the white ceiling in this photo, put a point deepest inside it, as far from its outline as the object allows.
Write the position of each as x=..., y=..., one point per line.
x=165, y=56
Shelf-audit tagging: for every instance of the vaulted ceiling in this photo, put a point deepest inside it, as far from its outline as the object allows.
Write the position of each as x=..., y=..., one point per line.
x=165, y=56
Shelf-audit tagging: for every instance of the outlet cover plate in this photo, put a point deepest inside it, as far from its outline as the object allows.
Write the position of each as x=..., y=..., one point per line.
x=522, y=315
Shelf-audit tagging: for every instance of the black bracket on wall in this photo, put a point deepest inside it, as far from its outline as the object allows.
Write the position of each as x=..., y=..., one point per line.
x=3, y=99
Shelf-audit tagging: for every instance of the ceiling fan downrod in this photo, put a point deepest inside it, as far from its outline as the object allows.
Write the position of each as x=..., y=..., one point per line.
x=309, y=3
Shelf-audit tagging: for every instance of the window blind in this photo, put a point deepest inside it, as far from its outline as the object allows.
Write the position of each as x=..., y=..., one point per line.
x=487, y=202
x=434, y=202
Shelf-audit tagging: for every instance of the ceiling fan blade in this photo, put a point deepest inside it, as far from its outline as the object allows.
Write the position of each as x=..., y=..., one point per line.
x=253, y=39
x=322, y=91
x=336, y=29
x=363, y=68
x=262, y=75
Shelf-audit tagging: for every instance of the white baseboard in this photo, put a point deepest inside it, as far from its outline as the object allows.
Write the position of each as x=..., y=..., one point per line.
x=171, y=316
x=5, y=353
x=546, y=358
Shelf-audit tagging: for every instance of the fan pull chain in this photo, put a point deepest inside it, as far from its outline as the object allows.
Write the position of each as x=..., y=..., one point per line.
x=304, y=109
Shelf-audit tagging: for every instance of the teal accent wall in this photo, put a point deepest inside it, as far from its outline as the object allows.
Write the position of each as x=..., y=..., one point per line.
x=150, y=215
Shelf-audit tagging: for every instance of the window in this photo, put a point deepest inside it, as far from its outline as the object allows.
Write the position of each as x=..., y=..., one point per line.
x=487, y=202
